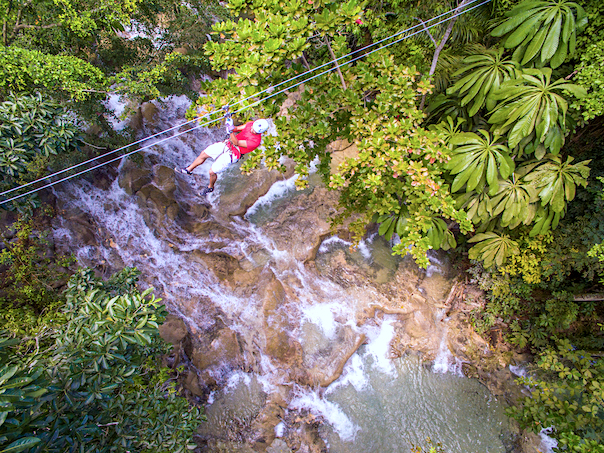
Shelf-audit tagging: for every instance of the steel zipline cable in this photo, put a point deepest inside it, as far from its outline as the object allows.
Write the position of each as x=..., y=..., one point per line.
x=331, y=62
x=236, y=103
x=242, y=100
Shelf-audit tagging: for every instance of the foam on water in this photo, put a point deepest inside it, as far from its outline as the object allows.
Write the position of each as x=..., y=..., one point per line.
x=322, y=315
x=365, y=250
x=135, y=30
x=354, y=374
x=331, y=243
x=331, y=412
x=279, y=429
x=277, y=191
x=379, y=345
x=547, y=443
x=115, y=104
x=237, y=378
x=518, y=370
x=445, y=362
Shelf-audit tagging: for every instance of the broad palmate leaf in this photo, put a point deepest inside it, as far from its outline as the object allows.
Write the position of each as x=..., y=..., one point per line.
x=481, y=75
x=542, y=31
x=531, y=104
x=479, y=158
x=492, y=248
x=557, y=180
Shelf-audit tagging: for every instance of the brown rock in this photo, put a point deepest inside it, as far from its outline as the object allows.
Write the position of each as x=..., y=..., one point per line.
x=163, y=177
x=302, y=225
x=278, y=446
x=241, y=192
x=173, y=330
x=223, y=350
x=276, y=323
x=340, y=151
x=191, y=383
x=223, y=265
x=148, y=111
x=327, y=365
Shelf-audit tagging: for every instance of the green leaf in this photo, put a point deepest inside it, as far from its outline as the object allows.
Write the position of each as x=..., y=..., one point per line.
x=553, y=39
x=21, y=444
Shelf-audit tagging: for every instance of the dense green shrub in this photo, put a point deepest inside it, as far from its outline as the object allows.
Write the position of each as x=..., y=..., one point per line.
x=567, y=395
x=98, y=386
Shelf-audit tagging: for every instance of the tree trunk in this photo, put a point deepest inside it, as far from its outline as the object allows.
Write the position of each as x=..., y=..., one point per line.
x=335, y=62
x=442, y=42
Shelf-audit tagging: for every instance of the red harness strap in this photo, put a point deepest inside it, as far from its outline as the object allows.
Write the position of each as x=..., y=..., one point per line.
x=234, y=150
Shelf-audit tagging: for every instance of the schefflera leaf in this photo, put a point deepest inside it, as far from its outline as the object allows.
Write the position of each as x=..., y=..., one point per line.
x=482, y=73
x=557, y=180
x=542, y=31
x=533, y=104
x=479, y=158
x=492, y=248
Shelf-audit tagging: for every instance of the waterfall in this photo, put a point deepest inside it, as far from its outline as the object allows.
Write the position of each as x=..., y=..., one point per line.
x=296, y=336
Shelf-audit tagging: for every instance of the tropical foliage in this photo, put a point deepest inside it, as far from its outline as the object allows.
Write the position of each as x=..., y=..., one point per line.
x=567, y=396
x=500, y=169
x=542, y=31
x=96, y=385
x=531, y=105
x=33, y=131
x=481, y=75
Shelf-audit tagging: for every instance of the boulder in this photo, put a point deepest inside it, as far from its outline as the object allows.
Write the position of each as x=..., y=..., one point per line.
x=303, y=223
x=279, y=344
x=163, y=178
x=173, y=330
x=134, y=179
x=278, y=446
x=326, y=365
x=223, y=350
x=340, y=151
x=239, y=192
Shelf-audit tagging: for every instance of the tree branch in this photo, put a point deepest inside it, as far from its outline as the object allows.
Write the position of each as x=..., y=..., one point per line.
x=93, y=146
x=305, y=62
x=443, y=41
x=19, y=14
x=335, y=61
x=572, y=74
x=427, y=30
x=37, y=27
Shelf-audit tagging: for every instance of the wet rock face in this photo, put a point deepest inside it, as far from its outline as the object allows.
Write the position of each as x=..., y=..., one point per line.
x=239, y=193
x=279, y=344
x=277, y=339
x=301, y=226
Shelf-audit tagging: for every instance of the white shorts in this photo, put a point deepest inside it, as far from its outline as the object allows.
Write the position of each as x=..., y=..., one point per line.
x=222, y=156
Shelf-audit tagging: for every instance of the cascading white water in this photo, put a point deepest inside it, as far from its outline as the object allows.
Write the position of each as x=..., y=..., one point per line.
x=378, y=404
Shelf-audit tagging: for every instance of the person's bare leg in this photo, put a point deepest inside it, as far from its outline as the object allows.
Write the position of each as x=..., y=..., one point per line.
x=213, y=178
x=198, y=161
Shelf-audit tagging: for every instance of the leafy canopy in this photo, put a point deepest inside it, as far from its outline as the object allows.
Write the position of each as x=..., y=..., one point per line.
x=97, y=387
x=32, y=130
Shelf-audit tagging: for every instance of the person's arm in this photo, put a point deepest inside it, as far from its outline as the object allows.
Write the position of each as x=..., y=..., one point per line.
x=236, y=142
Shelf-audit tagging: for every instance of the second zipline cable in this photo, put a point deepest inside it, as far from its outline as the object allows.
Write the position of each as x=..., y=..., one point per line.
x=237, y=111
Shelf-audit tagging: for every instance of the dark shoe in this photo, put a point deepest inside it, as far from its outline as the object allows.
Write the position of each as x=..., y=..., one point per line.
x=184, y=171
x=206, y=191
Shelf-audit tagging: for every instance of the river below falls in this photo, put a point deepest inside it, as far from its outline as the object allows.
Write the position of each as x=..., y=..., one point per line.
x=277, y=318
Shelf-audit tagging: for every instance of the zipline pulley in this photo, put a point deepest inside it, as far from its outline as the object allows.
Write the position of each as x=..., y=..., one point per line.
x=228, y=121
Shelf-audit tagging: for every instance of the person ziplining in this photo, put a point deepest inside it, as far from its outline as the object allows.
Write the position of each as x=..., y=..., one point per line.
x=230, y=151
